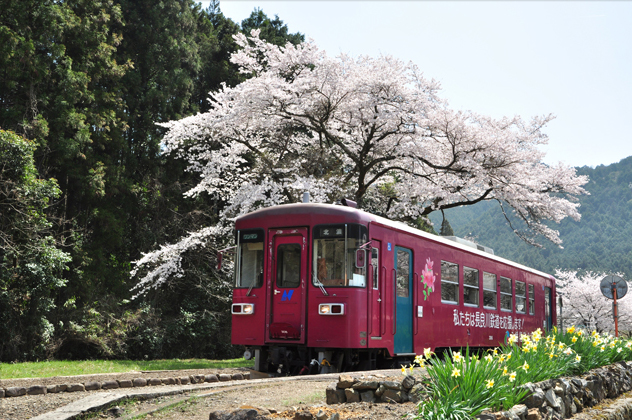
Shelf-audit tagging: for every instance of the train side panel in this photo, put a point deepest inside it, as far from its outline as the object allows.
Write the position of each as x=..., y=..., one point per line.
x=453, y=322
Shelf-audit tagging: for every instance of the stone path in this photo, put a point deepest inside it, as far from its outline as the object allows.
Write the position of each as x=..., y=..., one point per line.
x=96, y=402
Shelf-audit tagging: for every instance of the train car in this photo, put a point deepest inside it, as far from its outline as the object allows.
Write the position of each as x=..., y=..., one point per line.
x=328, y=288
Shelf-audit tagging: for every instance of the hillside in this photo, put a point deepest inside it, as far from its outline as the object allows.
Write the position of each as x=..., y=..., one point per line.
x=601, y=241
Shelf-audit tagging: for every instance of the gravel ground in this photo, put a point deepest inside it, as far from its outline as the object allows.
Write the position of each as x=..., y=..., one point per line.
x=28, y=406
x=282, y=399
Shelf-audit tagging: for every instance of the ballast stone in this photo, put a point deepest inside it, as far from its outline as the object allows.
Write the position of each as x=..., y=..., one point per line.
x=92, y=386
x=126, y=383
x=334, y=395
x=75, y=388
x=36, y=390
x=15, y=391
x=138, y=382
x=362, y=385
x=352, y=395
x=241, y=414
x=346, y=381
x=367, y=396
x=110, y=385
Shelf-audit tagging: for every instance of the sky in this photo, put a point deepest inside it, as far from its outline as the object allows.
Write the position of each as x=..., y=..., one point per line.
x=572, y=59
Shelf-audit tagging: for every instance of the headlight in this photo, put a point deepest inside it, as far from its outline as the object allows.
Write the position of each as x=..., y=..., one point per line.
x=331, y=309
x=243, y=308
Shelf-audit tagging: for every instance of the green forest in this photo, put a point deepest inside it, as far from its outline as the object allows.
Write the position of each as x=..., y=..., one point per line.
x=599, y=242
x=85, y=189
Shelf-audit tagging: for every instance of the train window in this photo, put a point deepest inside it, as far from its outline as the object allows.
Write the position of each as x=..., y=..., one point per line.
x=375, y=263
x=531, y=300
x=334, y=255
x=288, y=265
x=470, y=286
x=249, y=259
x=489, y=291
x=505, y=294
x=403, y=272
x=521, y=297
x=449, y=282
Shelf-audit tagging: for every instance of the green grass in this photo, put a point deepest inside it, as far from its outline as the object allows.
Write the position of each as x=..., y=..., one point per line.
x=88, y=367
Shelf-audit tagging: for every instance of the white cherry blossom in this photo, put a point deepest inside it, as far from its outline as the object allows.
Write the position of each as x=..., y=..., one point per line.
x=372, y=129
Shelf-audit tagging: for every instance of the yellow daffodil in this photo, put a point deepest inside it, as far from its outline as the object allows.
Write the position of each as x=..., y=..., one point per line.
x=512, y=377
x=456, y=373
x=525, y=367
x=602, y=348
x=490, y=384
x=513, y=338
x=489, y=358
x=619, y=350
x=505, y=371
x=574, y=339
x=508, y=356
x=571, y=329
x=410, y=368
x=428, y=353
x=578, y=358
x=457, y=357
x=403, y=370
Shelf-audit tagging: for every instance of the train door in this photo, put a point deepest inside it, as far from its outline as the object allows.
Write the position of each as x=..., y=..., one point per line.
x=548, y=309
x=376, y=328
x=287, y=284
x=403, y=311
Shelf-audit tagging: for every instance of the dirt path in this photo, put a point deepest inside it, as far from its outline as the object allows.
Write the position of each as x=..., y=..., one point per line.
x=283, y=397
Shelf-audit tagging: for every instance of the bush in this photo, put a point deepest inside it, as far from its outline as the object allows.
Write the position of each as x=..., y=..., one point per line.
x=462, y=386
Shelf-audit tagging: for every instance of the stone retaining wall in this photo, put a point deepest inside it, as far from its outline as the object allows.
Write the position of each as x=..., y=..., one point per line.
x=115, y=384
x=374, y=388
x=553, y=399
x=564, y=397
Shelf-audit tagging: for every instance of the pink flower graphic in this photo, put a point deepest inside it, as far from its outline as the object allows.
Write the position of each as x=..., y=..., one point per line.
x=428, y=275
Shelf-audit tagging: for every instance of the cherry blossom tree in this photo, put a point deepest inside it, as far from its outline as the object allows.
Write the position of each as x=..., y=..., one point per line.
x=585, y=305
x=371, y=129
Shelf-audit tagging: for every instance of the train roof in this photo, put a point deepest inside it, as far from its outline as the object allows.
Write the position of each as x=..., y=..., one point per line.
x=361, y=216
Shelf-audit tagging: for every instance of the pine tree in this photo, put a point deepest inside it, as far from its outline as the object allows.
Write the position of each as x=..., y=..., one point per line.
x=446, y=229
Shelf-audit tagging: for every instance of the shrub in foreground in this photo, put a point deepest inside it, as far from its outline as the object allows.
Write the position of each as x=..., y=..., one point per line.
x=461, y=386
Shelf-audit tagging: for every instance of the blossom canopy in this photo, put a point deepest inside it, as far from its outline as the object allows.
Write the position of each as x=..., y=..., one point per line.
x=371, y=129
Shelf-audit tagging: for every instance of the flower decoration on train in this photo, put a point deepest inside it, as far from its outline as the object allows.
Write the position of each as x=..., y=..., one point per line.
x=428, y=278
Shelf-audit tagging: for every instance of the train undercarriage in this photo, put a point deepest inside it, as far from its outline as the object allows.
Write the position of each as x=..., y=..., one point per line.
x=296, y=360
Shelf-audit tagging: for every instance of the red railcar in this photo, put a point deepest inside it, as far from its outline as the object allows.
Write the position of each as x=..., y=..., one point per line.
x=331, y=287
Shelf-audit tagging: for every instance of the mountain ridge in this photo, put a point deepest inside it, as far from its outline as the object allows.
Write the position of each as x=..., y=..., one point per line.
x=601, y=241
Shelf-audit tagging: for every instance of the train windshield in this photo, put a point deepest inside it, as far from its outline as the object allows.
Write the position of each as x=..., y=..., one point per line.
x=249, y=259
x=335, y=262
